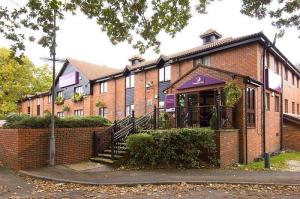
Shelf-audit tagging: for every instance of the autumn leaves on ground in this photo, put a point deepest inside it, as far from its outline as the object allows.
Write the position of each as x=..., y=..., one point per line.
x=49, y=189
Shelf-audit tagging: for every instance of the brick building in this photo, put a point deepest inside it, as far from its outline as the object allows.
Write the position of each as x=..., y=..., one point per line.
x=251, y=61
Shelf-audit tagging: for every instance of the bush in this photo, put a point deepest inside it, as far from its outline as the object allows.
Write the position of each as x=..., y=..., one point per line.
x=174, y=147
x=13, y=121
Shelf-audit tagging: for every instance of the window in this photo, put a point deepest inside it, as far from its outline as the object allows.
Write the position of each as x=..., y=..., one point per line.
x=203, y=60
x=38, y=101
x=297, y=82
x=49, y=99
x=286, y=106
x=165, y=74
x=161, y=104
x=103, y=112
x=298, y=111
x=78, y=90
x=277, y=102
x=38, y=107
x=59, y=94
x=130, y=81
x=103, y=87
x=267, y=101
x=267, y=60
x=286, y=72
x=129, y=110
x=293, y=79
x=60, y=114
x=28, y=110
x=251, y=107
x=276, y=66
x=293, y=108
x=78, y=112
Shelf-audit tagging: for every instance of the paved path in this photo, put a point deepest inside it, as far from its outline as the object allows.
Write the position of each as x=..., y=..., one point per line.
x=12, y=184
x=93, y=177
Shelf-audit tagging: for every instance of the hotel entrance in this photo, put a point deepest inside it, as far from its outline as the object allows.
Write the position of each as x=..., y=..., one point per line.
x=196, y=109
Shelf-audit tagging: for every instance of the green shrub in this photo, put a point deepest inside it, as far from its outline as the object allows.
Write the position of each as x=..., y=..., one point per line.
x=174, y=147
x=44, y=122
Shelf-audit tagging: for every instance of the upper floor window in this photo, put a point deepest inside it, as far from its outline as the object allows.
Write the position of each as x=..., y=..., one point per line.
x=78, y=90
x=38, y=100
x=277, y=104
x=276, y=66
x=286, y=73
x=103, y=87
x=130, y=81
x=293, y=108
x=298, y=109
x=203, y=60
x=267, y=101
x=28, y=102
x=129, y=110
x=250, y=107
x=49, y=99
x=78, y=112
x=286, y=106
x=60, y=94
x=293, y=79
x=267, y=59
x=165, y=74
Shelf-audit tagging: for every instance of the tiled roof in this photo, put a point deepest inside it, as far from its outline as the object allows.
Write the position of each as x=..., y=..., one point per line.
x=93, y=71
x=210, y=32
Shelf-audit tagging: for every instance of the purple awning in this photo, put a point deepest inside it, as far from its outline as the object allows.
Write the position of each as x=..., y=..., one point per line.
x=200, y=81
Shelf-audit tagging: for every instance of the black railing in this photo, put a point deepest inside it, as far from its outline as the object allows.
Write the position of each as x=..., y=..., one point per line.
x=192, y=117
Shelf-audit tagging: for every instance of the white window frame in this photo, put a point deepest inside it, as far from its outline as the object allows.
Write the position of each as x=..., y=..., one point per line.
x=103, y=87
x=165, y=73
x=203, y=60
x=78, y=89
x=60, y=94
x=129, y=109
x=130, y=81
x=79, y=112
x=103, y=111
x=60, y=114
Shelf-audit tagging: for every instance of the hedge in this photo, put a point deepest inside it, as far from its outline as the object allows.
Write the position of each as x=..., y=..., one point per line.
x=25, y=121
x=174, y=147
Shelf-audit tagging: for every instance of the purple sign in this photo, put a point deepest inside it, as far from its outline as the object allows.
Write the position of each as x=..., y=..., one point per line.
x=199, y=81
x=170, y=101
x=273, y=81
x=69, y=79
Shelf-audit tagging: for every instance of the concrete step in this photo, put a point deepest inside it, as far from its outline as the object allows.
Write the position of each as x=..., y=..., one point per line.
x=122, y=152
x=108, y=155
x=102, y=160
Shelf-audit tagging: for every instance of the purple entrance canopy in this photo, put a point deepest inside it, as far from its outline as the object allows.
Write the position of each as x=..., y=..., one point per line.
x=200, y=81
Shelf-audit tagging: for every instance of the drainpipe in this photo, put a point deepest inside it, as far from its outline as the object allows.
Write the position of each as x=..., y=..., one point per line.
x=263, y=104
x=246, y=129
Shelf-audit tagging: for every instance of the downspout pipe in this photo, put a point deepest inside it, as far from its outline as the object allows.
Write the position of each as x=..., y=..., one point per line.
x=246, y=129
x=264, y=103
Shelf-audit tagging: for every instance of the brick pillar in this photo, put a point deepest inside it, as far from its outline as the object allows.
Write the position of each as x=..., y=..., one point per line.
x=227, y=141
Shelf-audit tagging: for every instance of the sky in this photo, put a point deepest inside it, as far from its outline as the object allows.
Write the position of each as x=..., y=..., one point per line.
x=82, y=38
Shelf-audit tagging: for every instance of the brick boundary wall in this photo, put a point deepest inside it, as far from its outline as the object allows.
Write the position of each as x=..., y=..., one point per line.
x=291, y=136
x=227, y=141
x=29, y=148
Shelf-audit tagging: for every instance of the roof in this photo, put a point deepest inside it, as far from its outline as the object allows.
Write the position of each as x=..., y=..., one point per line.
x=136, y=57
x=291, y=118
x=92, y=71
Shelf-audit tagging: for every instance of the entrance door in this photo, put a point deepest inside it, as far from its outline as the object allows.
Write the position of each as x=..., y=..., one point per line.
x=207, y=102
x=192, y=110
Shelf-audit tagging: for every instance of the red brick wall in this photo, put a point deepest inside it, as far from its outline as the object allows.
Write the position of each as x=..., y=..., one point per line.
x=29, y=148
x=227, y=147
x=291, y=136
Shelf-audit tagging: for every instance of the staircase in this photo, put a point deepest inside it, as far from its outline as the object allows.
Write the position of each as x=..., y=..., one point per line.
x=119, y=133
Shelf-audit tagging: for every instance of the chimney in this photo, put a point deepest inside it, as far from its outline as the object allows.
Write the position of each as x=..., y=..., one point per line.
x=136, y=59
x=210, y=36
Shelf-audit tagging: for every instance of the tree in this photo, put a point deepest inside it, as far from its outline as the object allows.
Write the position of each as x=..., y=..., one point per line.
x=138, y=22
x=19, y=78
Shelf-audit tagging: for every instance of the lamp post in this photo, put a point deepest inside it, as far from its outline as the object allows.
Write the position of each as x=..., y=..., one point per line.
x=52, y=134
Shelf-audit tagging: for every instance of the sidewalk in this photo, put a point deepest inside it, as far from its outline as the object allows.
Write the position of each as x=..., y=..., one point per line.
x=135, y=177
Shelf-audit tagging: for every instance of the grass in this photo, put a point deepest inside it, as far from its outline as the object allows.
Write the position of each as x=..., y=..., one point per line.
x=278, y=162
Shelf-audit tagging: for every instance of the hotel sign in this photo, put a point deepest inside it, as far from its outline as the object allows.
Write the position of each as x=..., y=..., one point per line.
x=170, y=102
x=273, y=81
x=69, y=79
x=200, y=81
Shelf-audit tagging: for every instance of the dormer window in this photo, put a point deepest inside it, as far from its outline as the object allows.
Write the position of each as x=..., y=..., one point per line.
x=136, y=59
x=210, y=36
